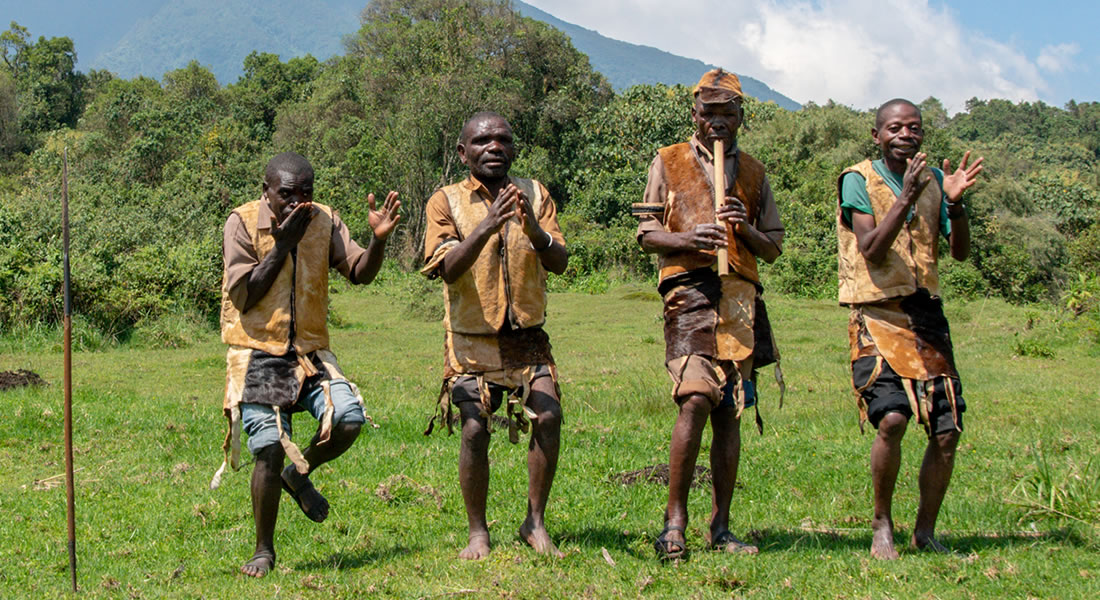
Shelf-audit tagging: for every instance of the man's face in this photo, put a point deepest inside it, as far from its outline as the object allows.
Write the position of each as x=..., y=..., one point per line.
x=487, y=148
x=717, y=122
x=286, y=190
x=899, y=134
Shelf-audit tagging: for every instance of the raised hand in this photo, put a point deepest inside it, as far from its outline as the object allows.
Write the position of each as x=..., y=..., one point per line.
x=958, y=182
x=384, y=222
x=290, y=232
x=912, y=182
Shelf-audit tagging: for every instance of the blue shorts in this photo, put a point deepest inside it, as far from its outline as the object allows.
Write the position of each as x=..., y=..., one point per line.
x=727, y=395
x=258, y=420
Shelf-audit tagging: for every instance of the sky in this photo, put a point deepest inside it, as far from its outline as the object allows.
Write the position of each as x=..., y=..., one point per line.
x=864, y=52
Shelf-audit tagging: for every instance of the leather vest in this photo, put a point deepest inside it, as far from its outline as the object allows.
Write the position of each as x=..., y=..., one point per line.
x=266, y=326
x=506, y=279
x=690, y=202
x=912, y=258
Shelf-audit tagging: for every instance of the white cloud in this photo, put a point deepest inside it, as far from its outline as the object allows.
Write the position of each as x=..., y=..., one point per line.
x=1057, y=58
x=857, y=52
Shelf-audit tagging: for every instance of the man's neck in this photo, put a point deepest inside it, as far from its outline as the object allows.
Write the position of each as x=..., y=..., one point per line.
x=494, y=185
x=894, y=166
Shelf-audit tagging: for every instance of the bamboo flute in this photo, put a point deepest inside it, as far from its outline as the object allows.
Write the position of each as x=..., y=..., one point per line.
x=719, y=200
x=67, y=325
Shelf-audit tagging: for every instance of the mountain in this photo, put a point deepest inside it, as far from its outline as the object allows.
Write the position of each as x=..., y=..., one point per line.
x=219, y=34
x=151, y=37
x=626, y=64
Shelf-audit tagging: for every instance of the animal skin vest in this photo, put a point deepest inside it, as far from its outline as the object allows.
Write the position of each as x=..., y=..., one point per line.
x=266, y=326
x=506, y=280
x=690, y=202
x=911, y=262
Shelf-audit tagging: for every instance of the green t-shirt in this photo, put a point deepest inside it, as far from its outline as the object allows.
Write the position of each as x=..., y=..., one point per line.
x=853, y=194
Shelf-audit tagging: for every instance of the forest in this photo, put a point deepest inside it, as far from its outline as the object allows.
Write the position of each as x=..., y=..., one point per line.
x=154, y=167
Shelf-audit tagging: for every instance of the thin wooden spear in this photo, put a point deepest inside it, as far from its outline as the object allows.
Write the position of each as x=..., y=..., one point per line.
x=67, y=325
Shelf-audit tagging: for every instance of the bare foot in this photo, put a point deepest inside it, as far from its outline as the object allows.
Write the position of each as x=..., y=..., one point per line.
x=882, y=541
x=261, y=563
x=538, y=538
x=725, y=541
x=478, y=547
x=928, y=544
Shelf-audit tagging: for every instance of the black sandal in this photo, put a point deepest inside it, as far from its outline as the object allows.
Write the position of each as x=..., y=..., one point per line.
x=318, y=508
x=669, y=550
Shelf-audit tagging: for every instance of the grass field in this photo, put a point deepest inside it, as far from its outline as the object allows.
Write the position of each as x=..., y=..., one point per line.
x=148, y=429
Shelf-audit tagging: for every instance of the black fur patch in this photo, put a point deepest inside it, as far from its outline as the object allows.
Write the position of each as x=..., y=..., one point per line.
x=522, y=347
x=926, y=317
x=764, y=351
x=270, y=380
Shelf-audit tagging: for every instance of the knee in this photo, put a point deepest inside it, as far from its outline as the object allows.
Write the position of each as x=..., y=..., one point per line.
x=725, y=422
x=347, y=431
x=475, y=434
x=947, y=443
x=270, y=454
x=892, y=426
x=696, y=406
x=548, y=413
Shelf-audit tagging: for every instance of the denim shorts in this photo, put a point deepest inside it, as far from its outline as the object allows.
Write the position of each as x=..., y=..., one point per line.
x=258, y=420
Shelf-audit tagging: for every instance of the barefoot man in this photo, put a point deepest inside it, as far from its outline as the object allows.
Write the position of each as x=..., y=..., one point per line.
x=492, y=238
x=278, y=252
x=890, y=216
x=709, y=318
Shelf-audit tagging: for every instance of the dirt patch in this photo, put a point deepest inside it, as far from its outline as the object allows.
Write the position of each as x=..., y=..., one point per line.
x=20, y=378
x=401, y=489
x=659, y=474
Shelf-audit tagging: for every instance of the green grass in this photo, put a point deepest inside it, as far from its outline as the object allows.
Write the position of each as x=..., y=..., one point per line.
x=148, y=429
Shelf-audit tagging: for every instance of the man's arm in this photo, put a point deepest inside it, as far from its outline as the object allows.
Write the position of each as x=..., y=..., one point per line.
x=460, y=258
x=875, y=239
x=382, y=223
x=766, y=242
x=553, y=255
x=651, y=233
x=960, y=233
x=953, y=187
x=286, y=237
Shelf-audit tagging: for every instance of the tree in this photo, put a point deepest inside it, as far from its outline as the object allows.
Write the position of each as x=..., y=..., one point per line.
x=427, y=65
x=49, y=89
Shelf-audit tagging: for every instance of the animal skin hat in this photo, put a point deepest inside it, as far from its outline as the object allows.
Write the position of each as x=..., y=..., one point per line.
x=717, y=86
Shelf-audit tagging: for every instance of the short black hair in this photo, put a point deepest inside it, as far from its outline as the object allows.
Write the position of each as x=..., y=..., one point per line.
x=464, y=136
x=890, y=104
x=291, y=162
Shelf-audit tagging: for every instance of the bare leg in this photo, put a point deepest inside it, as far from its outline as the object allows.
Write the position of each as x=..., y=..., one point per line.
x=542, y=463
x=725, y=453
x=317, y=454
x=683, y=451
x=266, y=489
x=473, y=475
x=885, y=462
x=725, y=456
x=935, y=474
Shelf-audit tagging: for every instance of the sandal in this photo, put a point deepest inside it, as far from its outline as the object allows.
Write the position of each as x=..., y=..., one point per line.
x=727, y=542
x=318, y=506
x=670, y=550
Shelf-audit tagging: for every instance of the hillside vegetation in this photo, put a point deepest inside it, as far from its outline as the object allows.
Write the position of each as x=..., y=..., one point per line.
x=155, y=166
